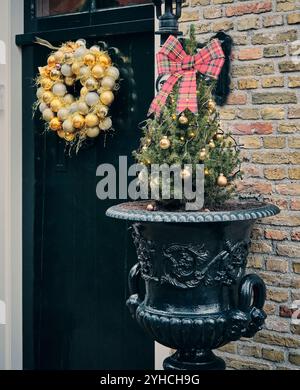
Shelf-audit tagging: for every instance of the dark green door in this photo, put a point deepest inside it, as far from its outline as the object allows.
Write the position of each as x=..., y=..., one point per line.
x=76, y=260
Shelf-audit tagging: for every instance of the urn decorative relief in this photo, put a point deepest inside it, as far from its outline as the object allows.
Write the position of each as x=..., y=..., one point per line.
x=198, y=296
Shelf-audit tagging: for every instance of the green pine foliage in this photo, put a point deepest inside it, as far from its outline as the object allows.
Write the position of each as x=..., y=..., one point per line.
x=187, y=141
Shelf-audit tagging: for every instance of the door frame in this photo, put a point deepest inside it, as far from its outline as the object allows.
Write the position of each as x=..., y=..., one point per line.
x=26, y=41
x=11, y=191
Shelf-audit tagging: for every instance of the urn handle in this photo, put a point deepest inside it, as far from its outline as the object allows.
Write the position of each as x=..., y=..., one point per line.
x=133, y=283
x=252, y=296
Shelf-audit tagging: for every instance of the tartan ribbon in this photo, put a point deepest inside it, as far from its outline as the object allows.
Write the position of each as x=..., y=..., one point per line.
x=172, y=60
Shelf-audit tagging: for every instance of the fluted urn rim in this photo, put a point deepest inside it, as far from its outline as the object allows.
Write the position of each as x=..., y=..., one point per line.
x=127, y=211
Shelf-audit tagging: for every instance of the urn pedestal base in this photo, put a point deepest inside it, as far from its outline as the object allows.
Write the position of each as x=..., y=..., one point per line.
x=194, y=360
x=198, y=297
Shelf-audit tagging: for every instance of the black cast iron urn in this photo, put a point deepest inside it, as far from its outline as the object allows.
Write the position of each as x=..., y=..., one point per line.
x=198, y=297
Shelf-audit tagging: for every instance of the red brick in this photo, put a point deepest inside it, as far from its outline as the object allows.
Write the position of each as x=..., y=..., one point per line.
x=295, y=204
x=250, y=53
x=252, y=8
x=285, y=311
x=254, y=187
x=295, y=235
x=288, y=189
x=252, y=128
x=273, y=234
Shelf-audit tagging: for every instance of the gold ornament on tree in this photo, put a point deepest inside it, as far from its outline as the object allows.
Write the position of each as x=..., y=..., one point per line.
x=219, y=137
x=74, y=118
x=183, y=120
x=211, y=105
x=191, y=133
x=164, y=143
x=211, y=144
x=202, y=154
x=222, y=180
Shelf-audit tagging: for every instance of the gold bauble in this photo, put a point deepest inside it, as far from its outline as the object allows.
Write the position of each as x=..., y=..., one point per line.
x=91, y=84
x=206, y=172
x=108, y=83
x=93, y=132
x=222, y=180
x=164, y=143
x=212, y=144
x=78, y=121
x=104, y=60
x=55, y=124
x=174, y=117
x=76, y=68
x=102, y=111
x=69, y=137
x=113, y=72
x=59, y=56
x=91, y=120
x=105, y=124
x=83, y=91
x=55, y=74
x=107, y=97
x=211, y=105
x=69, y=81
x=89, y=60
x=191, y=134
x=48, y=115
x=46, y=83
x=51, y=61
x=219, y=136
x=55, y=105
x=61, y=133
x=183, y=120
x=202, y=154
x=98, y=71
x=182, y=138
x=47, y=97
x=83, y=108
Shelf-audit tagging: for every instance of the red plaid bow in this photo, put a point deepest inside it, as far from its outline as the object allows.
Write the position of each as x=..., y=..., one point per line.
x=173, y=60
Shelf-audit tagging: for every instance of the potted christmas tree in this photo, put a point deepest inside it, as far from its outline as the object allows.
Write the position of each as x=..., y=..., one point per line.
x=193, y=262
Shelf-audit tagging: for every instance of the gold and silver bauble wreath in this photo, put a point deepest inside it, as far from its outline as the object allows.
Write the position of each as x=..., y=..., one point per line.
x=76, y=118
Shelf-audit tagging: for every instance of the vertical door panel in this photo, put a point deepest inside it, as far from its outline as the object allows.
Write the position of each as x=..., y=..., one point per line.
x=74, y=309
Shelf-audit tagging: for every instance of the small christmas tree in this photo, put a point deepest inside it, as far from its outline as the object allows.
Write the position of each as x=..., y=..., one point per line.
x=192, y=138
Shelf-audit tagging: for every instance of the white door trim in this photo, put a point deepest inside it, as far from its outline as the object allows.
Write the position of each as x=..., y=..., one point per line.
x=11, y=185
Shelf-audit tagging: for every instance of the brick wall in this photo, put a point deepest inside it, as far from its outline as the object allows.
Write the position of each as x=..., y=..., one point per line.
x=263, y=112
